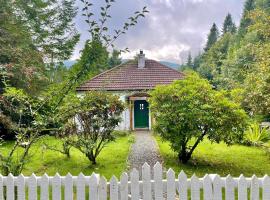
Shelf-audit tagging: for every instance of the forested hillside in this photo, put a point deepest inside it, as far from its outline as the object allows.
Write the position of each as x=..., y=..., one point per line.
x=237, y=59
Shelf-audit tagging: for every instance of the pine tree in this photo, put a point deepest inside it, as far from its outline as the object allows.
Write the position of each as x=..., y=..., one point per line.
x=212, y=37
x=189, y=63
x=245, y=21
x=115, y=59
x=228, y=25
x=196, y=62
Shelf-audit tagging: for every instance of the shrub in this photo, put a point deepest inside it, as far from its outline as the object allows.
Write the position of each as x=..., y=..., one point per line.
x=96, y=116
x=256, y=136
x=190, y=109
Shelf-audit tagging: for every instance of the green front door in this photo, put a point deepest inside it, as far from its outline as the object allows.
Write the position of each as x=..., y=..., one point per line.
x=141, y=114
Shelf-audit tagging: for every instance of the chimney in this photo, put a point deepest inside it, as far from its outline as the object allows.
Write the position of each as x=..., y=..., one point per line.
x=141, y=60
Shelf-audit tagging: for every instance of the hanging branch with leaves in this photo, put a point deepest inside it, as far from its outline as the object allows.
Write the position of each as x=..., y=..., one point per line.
x=99, y=29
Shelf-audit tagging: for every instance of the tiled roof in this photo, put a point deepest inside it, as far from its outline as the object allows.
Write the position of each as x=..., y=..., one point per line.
x=128, y=76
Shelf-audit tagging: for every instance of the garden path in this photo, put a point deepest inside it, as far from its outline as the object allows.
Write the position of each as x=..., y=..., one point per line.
x=145, y=149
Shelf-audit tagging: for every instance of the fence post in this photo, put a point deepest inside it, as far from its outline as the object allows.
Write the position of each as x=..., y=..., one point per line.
x=68, y=183
x=158, y=181
x=81, y=187
x=195, y=187
x=207, y=188
x=170, y=185
x=1, y=188
x=21, y=187
x=146, y=178
x=242, y=188
x=114, y=188
x=217, y=188
x=254, y=188
x=44, y=187
x=182, y=186
x=229, y=188
x=102, y=189
x=93, y=187
x=266, y=187
x=32, y=187
x=56, y=187
x=10, y=187
x=135, y=189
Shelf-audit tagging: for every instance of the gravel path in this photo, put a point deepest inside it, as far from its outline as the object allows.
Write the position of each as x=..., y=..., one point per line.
x=144, y=149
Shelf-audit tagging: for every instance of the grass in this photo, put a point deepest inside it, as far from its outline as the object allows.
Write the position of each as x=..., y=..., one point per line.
x=214, y=158
x=111, y=161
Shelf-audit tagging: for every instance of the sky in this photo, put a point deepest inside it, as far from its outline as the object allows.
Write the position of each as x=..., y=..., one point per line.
x=170, y=30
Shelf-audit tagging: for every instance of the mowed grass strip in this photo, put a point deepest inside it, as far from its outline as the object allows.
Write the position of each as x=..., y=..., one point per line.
x=212, y=158
x=111, y=161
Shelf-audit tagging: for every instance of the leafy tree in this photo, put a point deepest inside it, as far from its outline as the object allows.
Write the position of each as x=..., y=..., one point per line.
x=42, y=113
x=115, y=59
x=245, y=20
x=189, y=63
x=189, y=110
x=20, y=60
x=34, y=36
x=97, y=116
x=257, y=82
x=197, y=61
x=94, y=58
x=212, y=37
x=20, y=110
x=213, y=59
x=228, y=25
x=189, y=60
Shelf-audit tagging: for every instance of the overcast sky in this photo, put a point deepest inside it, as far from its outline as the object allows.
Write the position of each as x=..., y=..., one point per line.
x=170, y=30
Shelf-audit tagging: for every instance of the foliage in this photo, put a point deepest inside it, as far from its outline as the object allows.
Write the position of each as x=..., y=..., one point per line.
x=189, y=64
x=52, y=162
x=228, y=25
x=33, y=34
x=240, y=61
x=213, y=158
x=19, y=59
x=190, y=109
x=115, y=59
x=28, y=124
x=257, y=136
x=94, y=57
x=212, y=37
x=50, y=41
x=94, y=60
x=257, y=83
x=211, y=62
x=96, y=116
x=245, y=20
x=99, y=29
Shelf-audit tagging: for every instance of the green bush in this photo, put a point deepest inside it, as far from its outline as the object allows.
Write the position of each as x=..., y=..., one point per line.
x=256, y=136
x=189, y=110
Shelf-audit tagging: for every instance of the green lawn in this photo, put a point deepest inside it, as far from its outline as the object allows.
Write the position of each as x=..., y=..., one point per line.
x=219, y=158
x=111, y=161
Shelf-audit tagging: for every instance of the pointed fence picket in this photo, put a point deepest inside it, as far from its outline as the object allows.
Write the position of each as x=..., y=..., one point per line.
x=164, y=185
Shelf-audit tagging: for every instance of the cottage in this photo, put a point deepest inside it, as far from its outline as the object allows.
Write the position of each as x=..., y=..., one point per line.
x=132, y=81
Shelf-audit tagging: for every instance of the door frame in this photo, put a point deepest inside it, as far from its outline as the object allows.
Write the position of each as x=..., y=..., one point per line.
x=133, y=113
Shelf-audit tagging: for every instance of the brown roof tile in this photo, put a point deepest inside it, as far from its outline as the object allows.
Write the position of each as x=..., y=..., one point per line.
x=128, y=76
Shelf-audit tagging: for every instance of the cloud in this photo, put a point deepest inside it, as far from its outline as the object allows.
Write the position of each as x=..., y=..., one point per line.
x=171, y=29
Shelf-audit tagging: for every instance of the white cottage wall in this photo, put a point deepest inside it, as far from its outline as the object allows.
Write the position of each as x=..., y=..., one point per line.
x=125, y=123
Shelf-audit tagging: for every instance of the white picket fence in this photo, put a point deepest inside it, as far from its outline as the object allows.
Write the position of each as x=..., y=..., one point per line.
x=210, y=187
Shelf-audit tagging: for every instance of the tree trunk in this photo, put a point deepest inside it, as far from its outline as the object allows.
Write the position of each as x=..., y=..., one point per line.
x=92, y=159
x=184, y=156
